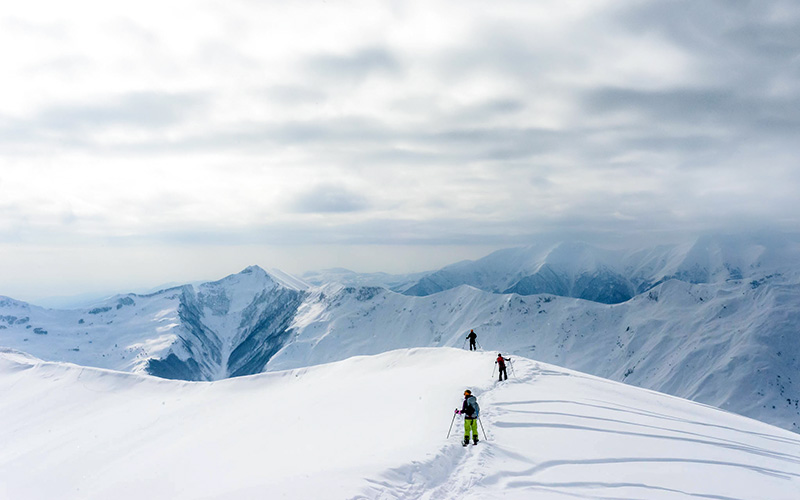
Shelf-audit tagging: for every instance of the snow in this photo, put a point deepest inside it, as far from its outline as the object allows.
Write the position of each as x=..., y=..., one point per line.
x=196, y=328
x=731, y=344
x=728, y=344
x=374, y=427
x=716, y=322
x=288, y=281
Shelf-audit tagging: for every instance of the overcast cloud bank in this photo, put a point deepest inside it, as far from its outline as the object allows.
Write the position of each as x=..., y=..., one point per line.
x=241, y=132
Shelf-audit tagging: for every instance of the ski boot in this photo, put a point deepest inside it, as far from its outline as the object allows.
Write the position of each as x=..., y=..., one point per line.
x=474, y=441
x=465, y=441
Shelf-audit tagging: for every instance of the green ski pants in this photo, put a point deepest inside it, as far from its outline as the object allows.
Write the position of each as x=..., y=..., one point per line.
x=470, y=424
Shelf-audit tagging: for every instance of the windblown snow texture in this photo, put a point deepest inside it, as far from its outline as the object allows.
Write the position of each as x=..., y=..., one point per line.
x=75, y=433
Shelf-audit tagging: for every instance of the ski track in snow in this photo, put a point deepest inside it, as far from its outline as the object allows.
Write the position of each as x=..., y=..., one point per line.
x=456, y=470
x=552, y=433
x=469, y=472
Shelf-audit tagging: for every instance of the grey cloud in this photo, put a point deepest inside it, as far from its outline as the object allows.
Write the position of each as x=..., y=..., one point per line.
x=329, y=198
x=497, y=143
x=66, y=127
x=679, y=104
x=14, y=133
x=524, y=227
x=361, y=140
x=143, y=109
x=356, y=66
x=721, y=25
x=494, y=108
x=741, y=45
x=70, y=125
x=503, y=50
x=472, y=113
x=503, y=106
x=541, y=182
x=295, y=94
x=698, y=119
x=780, y=43
x=454, y=144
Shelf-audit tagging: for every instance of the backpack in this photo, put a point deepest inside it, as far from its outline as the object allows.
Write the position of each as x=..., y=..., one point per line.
x=470, y=410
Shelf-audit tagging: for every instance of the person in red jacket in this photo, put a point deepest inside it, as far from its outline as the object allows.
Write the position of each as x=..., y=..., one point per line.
x=501, y=362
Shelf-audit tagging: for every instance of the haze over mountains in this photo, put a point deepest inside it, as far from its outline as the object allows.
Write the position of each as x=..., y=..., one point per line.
x=715, y=321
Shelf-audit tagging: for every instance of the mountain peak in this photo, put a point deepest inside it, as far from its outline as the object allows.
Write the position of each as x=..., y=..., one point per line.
x=254, y=269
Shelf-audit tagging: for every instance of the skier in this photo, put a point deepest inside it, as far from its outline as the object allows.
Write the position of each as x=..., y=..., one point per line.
x=501, y=362
x=470, y=410
x=472, y=336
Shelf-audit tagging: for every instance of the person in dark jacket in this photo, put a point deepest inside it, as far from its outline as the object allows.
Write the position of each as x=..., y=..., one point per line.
x=472, y=336
x=501, y=363
x=470, y=410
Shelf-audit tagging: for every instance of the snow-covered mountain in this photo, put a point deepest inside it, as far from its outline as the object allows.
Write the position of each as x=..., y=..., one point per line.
x=717, y=323
x=583, y=271
x=374, y=428
x=731, y=345
x=209, y=331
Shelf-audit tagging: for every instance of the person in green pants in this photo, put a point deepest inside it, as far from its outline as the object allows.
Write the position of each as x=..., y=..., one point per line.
x=470, y=410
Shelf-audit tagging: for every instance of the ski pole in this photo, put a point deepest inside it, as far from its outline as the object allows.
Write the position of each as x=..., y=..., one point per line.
x=495, y=366
x=451, y=425
x=512, y=368
x=464, y=344
x=484, y=430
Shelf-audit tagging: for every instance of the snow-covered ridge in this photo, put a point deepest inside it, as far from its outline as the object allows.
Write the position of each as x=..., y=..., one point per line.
x=729, y=342
x=732, y=345
x=206, y=331
x=288, y=281
x=549, y=433
x=575, y=269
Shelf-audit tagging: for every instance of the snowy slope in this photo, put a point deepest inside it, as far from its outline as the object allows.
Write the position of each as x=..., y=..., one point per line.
x=725, y=334
x=731, y=345
x=374, y=428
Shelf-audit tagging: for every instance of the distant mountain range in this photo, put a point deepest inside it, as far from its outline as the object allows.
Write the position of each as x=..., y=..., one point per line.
x=582, y=271
x=716, y=321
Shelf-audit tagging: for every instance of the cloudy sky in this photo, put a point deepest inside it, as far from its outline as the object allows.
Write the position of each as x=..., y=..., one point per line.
x=154, y=141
